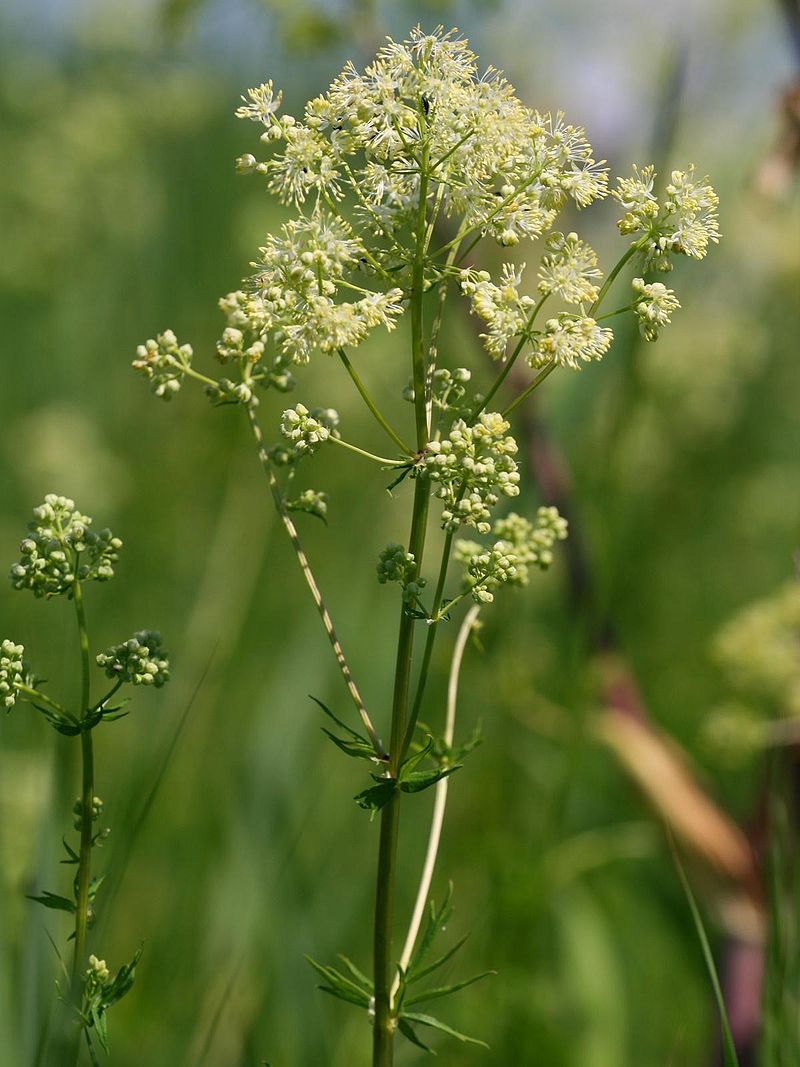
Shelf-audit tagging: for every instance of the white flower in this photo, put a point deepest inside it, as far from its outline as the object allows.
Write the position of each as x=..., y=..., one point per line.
x=653, y=305
x=570, y=341
x=568, y=269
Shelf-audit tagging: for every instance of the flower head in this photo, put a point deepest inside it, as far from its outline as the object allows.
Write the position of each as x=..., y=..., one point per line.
x=570, y=341
x=653, y=305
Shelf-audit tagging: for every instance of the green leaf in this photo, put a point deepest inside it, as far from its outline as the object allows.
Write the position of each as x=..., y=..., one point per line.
x=403, y=474
x=52, y=900
x=416, y=976
x=338, y=985
x=121, y=983
x=419, y=780
x=444, y=991
x=73, y=855
x=347, y=729
x=359, y=976
x=437, y=1024
x=436, y=920
x=410, y=764
x=359, y=749
x=730, y=1059
x=65, y=723
x=358, y=746
x=377, y=796
x=407, y=1031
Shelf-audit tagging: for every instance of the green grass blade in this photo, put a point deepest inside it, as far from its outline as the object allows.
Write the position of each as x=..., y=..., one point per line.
x=730, y=1059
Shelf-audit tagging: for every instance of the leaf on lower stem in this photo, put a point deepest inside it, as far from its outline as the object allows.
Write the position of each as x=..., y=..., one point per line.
x=419, y=780
x=437, y=1024
x=52, y=900
x=355, y=744
x=377, y=796
x=407, y=1030
x=340, y=986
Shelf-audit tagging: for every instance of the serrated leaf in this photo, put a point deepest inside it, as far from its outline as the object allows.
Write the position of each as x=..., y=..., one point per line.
x=52, y=900
x=419, y=780
x=417, y=976
x=377, y=796
x=444, y=991
x=410, y=764
x=437, y=1024
x=407, y=1031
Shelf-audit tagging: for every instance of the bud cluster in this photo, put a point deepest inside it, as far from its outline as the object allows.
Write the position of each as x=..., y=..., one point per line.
x=12, y=672
x=141, y=660
x=164, y=362
x=471, y=468
x=395, y=564
x=521, y=545
x=307, y=430
x=61, y=550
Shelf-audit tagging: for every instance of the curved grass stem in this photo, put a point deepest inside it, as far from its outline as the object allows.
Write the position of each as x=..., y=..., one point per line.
x=439, y=801
x=311, y=582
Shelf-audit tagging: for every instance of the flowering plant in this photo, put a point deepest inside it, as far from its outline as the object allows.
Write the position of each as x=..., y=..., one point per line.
x=60, y=554
x=396, y=174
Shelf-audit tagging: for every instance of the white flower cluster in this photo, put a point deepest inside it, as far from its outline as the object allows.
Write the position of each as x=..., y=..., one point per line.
x=570, y=341
x=569, y=269
x=300, y=277
x=12, y=672
x=500, y=166
x=501, y=306
x=471, y=468
x=163, y=361
x=307, y=430
x=62, y=549
x=653, y=305
x=684, y=222
x=520, y=545
x=141, y=660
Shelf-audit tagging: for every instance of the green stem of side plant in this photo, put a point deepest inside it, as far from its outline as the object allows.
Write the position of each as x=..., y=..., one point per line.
x=87, y=799
x=384, y=1022
x=371, y=404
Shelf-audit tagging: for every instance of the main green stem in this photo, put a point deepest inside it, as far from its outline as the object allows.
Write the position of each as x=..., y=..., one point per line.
x=87, y=799
x=384, y=1022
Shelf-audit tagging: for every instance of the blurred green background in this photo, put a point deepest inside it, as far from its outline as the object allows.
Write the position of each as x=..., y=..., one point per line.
x=121, y=215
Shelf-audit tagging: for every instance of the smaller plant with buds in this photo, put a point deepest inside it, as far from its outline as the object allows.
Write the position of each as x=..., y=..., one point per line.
x=59, y=556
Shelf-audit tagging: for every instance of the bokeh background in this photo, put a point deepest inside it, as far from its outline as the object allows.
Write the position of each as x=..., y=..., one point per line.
x=235, y=846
